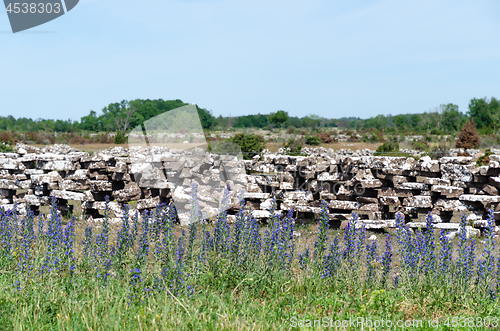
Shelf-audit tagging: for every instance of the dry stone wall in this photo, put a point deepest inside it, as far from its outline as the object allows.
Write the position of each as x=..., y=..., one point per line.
x=374, y=187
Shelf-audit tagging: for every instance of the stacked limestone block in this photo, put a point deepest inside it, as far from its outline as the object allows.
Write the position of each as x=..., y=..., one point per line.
x=374, y=187
x=144, y=178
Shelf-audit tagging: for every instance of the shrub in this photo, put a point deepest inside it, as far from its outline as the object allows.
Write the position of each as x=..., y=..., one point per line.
x=313, y=140
x=442, y=150
x=250, y=144
x=373, y=138
x=437, y=131
x=468, y=136
x=102, y=138
x=119, y=138
x=420, y=145
x=6, y=138
x=484, y=159
x=224, y=147
x=387, y=147
x=33, y=137
x=4, y=148
x=325, y=137
x=294, y=146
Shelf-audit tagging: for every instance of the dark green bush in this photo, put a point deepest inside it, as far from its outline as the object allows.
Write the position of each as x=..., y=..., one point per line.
x=4, y=148
x=250, y=144
x=295, y=147
x=313, y=140
x=387, y=147
x=120, y=139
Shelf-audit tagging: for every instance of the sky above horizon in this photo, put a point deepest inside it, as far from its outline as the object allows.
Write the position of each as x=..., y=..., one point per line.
x=330, y=58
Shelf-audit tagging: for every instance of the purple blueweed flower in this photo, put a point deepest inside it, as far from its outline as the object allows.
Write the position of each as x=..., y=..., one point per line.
x=207, y=244
x=287, y=238
x=429, y=247
x=489, y=245
x=122, y=237
x=135, y=276
x=25, y=263
x=470, y=259
x=279, y=246
x=69, y=236
x=143, y=250
x=87, y=242
x=304, y=259
x=331, y=262
x=179, y=273
x=371, y=258
x=30, y=224
x=156, y=220
x=445, y=257
x=251, y=242
x=15, y=221
x=221, y=230
x=324, y=221
x=237, y=238
x=41, y=226
x=135, y=230
x=54, y=239
x=462, y=250
x=360, y=241
x=6, y=231
x=105, y=225
x=480, y=271
x=195, y=215
x=492, y=293
x=410, y=247
x=386, y=258
x=351, y=240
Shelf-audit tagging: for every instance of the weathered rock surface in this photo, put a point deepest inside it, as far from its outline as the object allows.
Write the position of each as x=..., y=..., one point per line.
x=376, y=187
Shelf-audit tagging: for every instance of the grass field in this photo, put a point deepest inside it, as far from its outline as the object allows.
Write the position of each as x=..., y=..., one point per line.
x=150, y=274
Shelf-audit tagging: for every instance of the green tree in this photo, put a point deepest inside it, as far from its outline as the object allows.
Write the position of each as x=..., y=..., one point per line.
x=279, y=118
x=451, y=117
x=125, y=115
x=415, y=120
x=485, y=113
x=208, y=121
x=311, y=121
x=90, y=122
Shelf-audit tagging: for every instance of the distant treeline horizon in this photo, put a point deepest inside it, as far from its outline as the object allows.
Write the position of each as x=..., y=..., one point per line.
x=125, y=115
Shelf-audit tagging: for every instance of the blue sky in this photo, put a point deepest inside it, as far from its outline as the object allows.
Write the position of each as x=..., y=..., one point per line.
x=235, y=57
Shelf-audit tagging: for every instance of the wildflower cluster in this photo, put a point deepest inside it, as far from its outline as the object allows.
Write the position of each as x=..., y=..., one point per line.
x=147, y=253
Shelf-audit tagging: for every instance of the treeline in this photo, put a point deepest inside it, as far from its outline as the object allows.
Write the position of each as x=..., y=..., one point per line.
x=116, y=117
x=123, y=116
x=446, y=118
x=127, y=115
